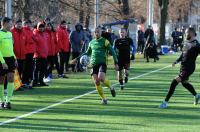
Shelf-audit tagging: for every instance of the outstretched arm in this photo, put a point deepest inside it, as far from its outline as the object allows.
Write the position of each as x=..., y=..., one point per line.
x=88, y=52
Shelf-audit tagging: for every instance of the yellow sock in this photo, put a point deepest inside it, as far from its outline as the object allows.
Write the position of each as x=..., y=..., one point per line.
x=106, y=82
x=100, y=91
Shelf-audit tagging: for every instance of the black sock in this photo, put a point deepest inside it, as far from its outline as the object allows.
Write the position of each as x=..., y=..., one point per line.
x=121, y=82
x=190, y=88
x=126, y=79
x=171, y=90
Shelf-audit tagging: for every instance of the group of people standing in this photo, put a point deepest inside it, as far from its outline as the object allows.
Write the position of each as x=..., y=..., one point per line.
x=34, y=51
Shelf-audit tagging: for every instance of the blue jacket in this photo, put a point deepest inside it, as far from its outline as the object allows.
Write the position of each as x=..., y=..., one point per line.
x=75, y=39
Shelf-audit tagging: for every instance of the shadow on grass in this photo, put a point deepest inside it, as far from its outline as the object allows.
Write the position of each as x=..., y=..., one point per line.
x=65, y=125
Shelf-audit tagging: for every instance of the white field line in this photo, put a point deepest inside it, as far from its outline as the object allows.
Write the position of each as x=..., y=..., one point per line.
x=68, y=100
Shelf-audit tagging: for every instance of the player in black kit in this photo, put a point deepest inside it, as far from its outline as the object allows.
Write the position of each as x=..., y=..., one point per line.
x=190, y=51
x=122, y=47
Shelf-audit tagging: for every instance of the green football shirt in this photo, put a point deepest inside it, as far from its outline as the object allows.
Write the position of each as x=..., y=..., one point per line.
x=6, y=45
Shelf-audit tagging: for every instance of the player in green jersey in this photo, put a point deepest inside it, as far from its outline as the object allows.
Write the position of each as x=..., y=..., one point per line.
x=98, y=50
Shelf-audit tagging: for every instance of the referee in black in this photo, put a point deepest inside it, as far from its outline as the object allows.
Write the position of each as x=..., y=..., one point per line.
x=123, y=47
x=190, y=51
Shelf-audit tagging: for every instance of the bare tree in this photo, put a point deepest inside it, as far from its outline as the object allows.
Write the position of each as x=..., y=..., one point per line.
x=81, y=12
x=26, y=9
x=124, y=4
x=163, y=18
x=88, y=13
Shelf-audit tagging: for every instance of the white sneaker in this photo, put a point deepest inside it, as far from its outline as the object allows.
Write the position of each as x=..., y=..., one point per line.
x=196, y=99
x=46, y=80
x=163, y=105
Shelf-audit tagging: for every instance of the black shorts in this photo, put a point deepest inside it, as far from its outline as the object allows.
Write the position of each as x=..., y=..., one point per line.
x=10, y=61
x=185, y=74
x=124, y=63
x=98, y=68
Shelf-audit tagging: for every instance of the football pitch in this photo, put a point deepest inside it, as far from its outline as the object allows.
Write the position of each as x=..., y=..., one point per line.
x=72, y=105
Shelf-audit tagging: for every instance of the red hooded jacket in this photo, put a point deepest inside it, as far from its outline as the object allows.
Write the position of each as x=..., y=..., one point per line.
x=40, y=39
x=52, y=43
x=62, y=37
x=30, y=44
x=19, y=39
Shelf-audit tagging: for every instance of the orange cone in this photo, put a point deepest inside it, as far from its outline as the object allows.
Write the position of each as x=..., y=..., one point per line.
x=17, y=80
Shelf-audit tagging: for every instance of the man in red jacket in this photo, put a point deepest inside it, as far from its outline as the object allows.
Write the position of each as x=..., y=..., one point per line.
x=40, y=55
x=64, y=47
x=56, y=57
x=51, y=41
x=19, y=39
x=29, y=50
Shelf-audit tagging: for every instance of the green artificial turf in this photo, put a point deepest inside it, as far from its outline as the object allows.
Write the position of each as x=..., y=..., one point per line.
x=135, y=109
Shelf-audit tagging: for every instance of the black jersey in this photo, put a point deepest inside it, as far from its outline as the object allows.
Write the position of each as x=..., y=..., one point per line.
x=122, y=47
x=189, y=55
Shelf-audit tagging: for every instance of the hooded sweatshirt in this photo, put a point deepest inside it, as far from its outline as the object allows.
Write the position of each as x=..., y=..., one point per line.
x=76, y=37
x=40, y=39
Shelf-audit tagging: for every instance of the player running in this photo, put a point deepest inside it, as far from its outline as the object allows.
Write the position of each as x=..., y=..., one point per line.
x=98, y=50
x=188, y=62
x=123, y=47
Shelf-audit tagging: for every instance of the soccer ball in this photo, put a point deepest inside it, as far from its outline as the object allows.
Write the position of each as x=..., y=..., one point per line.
x=84, y=60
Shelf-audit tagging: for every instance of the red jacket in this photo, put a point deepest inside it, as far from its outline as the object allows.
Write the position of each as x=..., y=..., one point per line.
x=40, y=39
x=51, y=40
x=30, y=44
x=63, y=39
x=19, y=39
x=57, y=48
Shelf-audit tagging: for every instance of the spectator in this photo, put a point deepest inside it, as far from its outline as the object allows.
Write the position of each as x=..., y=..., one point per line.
x=88, y=38
x=175, y=35
x=64, y=47
x=140, y=40
x=77, y=39
x=19, y=39
x=40, y=55
x=29, y=52
x=106, y=33
x=113, y=36
x=51, y=41
x=56, y=57
x=149, y=35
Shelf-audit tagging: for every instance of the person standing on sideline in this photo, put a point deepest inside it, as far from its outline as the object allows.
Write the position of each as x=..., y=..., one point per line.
x=19, y=39
x=62, y=37
x=149, y=35
x=40, y=55
x=56, y=57
x=8, y=63
x=30, y=49
x=77, y=40
x=140, y=40
x=51, y=41
x=175, y=35
x=191, y=49
x=98, y=50
x=123, y=47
